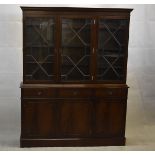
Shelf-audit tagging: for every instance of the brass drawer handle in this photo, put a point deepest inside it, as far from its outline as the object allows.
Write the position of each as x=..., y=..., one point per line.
x=39, y=93
x=110, y=92
x=75, y=93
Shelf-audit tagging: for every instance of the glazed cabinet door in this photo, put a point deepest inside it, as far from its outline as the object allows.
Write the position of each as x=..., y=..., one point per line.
x=109, y=118
x=112, y=49
x=39, y=47
x=74, y=118
x=38, y=119
x=75, y=49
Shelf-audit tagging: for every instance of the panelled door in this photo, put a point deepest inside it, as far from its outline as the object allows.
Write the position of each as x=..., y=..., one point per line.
x=75, y=49
x=109, y=118
x=112, y=49
x=38, y=118
x=74, y=117
x=39, y=47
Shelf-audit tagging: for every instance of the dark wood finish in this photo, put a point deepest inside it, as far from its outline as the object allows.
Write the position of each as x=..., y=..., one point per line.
x=38, y=92
x=111, y=92
x=109, y=116
x=118, y=141
x=75, y=111
x=38, y=119
x=74, y=118
x=75, y=9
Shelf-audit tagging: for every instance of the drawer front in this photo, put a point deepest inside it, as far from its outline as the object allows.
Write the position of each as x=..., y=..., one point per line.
x=111, y=92
x=74, y=93
x=38, y=92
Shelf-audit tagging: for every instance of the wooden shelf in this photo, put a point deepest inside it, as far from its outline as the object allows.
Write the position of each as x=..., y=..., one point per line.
x=40, y=62
x=111, y=28
x=39, y=46
x=113, y=55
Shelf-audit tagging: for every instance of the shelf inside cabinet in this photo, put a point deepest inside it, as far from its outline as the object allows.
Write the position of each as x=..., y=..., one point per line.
x=75, y=46
x=112, y=55
x=40, y=62
x=101, y=27
x=38, y=46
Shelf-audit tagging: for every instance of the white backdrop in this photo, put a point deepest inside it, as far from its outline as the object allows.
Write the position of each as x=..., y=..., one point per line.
x=140, y=64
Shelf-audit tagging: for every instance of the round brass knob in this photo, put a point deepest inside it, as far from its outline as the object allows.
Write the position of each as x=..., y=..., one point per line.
x=75, y=93
x=39, y=93
x=110, y=92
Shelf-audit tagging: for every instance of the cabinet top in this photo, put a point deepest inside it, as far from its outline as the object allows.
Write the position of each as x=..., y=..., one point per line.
x=74, y=9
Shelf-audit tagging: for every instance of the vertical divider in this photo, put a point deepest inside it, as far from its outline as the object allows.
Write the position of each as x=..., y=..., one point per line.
x=57, y=73
x=93, y=61
x=24, y=42
x=57, y=47
x=126, y=51
x=94, y=48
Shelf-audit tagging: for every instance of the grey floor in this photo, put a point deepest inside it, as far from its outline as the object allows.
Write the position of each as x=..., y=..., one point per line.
x=140, y=126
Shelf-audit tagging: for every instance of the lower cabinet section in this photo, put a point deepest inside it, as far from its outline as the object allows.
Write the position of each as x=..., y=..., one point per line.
x=73, y=121
x=63, y=119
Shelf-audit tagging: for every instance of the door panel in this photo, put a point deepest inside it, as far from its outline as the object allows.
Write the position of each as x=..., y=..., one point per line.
x=109, y=118
x=74, y=118
x=39, y=45
x=75, y=49
x=38, y=119
x=112, y=43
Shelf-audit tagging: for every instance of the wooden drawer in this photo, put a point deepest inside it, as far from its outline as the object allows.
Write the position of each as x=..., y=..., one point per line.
x=74, y=93
x=38, y=92
x=111, y=92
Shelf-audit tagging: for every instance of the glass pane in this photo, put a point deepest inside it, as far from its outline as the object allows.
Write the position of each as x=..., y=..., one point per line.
x=75, y=49
x=39, y=49
x=111, y=49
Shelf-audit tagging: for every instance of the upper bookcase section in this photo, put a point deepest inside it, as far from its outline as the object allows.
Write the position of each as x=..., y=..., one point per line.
x=75, y=45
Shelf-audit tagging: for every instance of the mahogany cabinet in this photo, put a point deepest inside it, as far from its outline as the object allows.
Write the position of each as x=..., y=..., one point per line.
x=74, y=90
